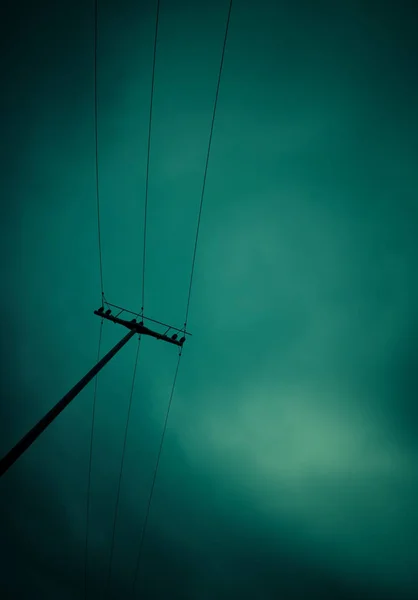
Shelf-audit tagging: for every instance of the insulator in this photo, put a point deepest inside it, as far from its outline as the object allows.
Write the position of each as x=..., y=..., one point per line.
x=182, y=340
x=100, y=310
x=108, y=312
x=174, y=336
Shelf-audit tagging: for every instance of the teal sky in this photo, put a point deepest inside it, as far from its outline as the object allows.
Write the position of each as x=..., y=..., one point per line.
x=289, y=467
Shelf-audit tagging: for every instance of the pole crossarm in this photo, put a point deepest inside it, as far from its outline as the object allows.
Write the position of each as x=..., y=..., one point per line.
x=140, y=328
x=143, y=317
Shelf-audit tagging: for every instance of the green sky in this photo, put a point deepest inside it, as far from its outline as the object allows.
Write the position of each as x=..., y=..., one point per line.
x=289, y=468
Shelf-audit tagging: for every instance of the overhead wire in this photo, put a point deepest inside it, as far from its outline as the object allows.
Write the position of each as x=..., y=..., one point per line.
x=96, y=138
x=109, y=572
x=148, y=152
x=89, y=470
x=141, y=543
x=207, y=163
x=154, y=478
x=96, y=135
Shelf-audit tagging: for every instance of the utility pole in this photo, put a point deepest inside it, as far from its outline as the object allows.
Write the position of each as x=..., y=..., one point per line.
x=27, y=440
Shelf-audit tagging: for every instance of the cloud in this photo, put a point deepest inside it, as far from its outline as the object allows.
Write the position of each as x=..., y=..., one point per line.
x=320, y=460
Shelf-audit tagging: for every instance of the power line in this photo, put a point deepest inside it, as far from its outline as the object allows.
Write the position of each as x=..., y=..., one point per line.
x=121, y=469
x=148, y=152
x=102, y=297
x=144, y=527
x=97, y=147
x=207, y=162
x=188, y=300
x=89, y=471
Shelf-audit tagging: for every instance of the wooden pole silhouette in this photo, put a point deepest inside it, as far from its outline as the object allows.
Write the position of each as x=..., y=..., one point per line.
x=27, y=440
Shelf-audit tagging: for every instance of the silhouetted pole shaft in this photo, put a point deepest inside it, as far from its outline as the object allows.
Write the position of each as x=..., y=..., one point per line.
x=27, y=440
